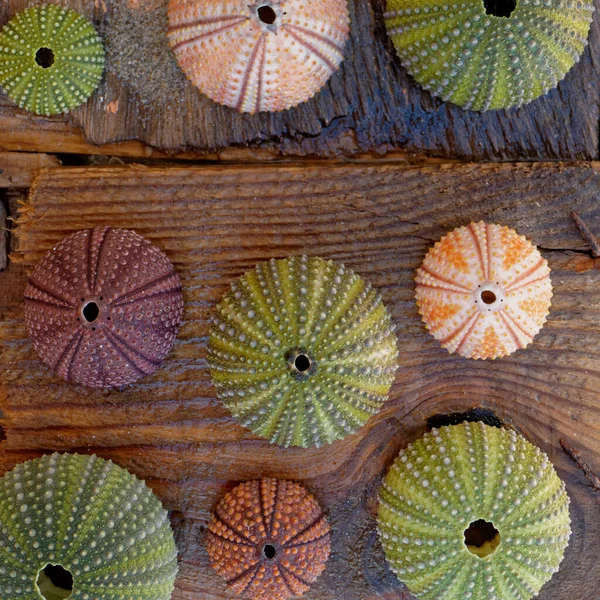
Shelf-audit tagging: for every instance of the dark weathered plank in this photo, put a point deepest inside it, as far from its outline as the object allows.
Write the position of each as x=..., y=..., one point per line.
x=215, y=223
x=370, y=105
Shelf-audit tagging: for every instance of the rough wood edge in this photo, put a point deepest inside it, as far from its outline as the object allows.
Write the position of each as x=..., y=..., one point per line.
x=18, y=169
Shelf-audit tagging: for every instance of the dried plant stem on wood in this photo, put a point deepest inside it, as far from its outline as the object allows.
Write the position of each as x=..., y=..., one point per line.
x=575, y=456
x=587, y=235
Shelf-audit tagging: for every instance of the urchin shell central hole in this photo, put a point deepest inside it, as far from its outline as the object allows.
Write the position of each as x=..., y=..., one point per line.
x=500, y=8
x=488, y=297
x=55, y=582
x=91, y=311
x=44, y=57
x=267, y=15
x=269, y=551
x=482, y=538
x=302, y=363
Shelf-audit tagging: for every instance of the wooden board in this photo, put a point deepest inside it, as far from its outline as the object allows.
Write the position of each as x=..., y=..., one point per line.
x=370, y=105
x=215, y=223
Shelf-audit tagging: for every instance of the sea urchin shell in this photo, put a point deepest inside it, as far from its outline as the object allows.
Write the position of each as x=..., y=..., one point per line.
x=483, y=61
x=267, y=55
x=302, y=351
x=268, y=539
x=51, y=59
x=103, y=308
x=89, y=517
x=473, y=512
x=484, y=291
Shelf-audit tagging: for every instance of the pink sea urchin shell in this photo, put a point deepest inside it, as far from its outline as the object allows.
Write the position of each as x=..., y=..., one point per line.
x=103, y=308
x=267, y=55
x=484, y=291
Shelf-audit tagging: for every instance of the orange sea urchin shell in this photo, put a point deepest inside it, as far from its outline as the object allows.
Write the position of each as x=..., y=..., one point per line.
x=484, y=291
x=103, y=307
x=268, y=539
x=267, y=55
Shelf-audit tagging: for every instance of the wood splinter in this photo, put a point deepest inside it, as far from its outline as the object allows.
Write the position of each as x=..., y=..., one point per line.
x=575, y=455
x=587, y=235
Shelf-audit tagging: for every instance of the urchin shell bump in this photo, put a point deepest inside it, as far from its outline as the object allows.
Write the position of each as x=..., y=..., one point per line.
x=475, y=512
x=482, y=61
x=51, y=59
x=103, y=308
x=93, y=519
x=268, y=55
x=268, y=539
x=302, y=351
x=484, y=291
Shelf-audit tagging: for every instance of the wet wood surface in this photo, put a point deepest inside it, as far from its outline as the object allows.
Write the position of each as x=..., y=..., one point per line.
x=370, y=105
x=215, y=223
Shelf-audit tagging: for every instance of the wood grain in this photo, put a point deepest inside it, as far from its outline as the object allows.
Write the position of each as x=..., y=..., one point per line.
x=370, y=105
x=3, y=235
x=214, y=223
x=18, y=169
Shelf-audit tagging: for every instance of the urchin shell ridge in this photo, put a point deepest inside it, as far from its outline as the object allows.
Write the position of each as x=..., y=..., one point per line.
x=453, y=477
x=481, y=61
x=91, y=517
x=239, y=60
x=301, y=306
x=72, y=75
x=484, y=291
x=138, y=296
x=268, y=539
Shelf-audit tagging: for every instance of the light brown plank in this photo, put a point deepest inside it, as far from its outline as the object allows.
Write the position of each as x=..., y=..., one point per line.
x=18, y=169
x=215, y=223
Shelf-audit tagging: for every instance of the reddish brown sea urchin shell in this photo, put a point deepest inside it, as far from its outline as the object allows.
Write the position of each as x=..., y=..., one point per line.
x=267, y=55
x=269, y=539
x=103, y=308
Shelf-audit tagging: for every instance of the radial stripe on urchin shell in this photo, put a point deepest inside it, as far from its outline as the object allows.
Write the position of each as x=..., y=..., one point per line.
x=51, y=59
x=93, y=519
x=447, y=484
x=267, y=55
x=484, y=291
x=483, y=61
x=302, y=351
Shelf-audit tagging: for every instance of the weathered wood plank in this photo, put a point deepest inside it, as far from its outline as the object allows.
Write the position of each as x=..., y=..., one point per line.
x=370, y=105
x=18, y=169
x=214, y=223
x=3, y=236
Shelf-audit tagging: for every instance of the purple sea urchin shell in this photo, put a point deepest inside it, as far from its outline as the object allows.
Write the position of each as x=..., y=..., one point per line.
x=103, y=308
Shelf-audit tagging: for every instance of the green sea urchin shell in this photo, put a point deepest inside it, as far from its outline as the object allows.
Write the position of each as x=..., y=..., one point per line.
x=91, y=517
x=302, y=351
x=456, y=476
x=51, y=59
x=481, y=61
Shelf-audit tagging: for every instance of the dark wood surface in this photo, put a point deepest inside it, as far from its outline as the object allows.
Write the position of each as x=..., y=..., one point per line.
x=370, y=106
x=214, y=223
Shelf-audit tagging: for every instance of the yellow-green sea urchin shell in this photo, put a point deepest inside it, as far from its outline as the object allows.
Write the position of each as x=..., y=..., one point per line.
x=91, y=517
x=458, y=475
x=51, y=59
x=302, y=351
x=482, y=61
